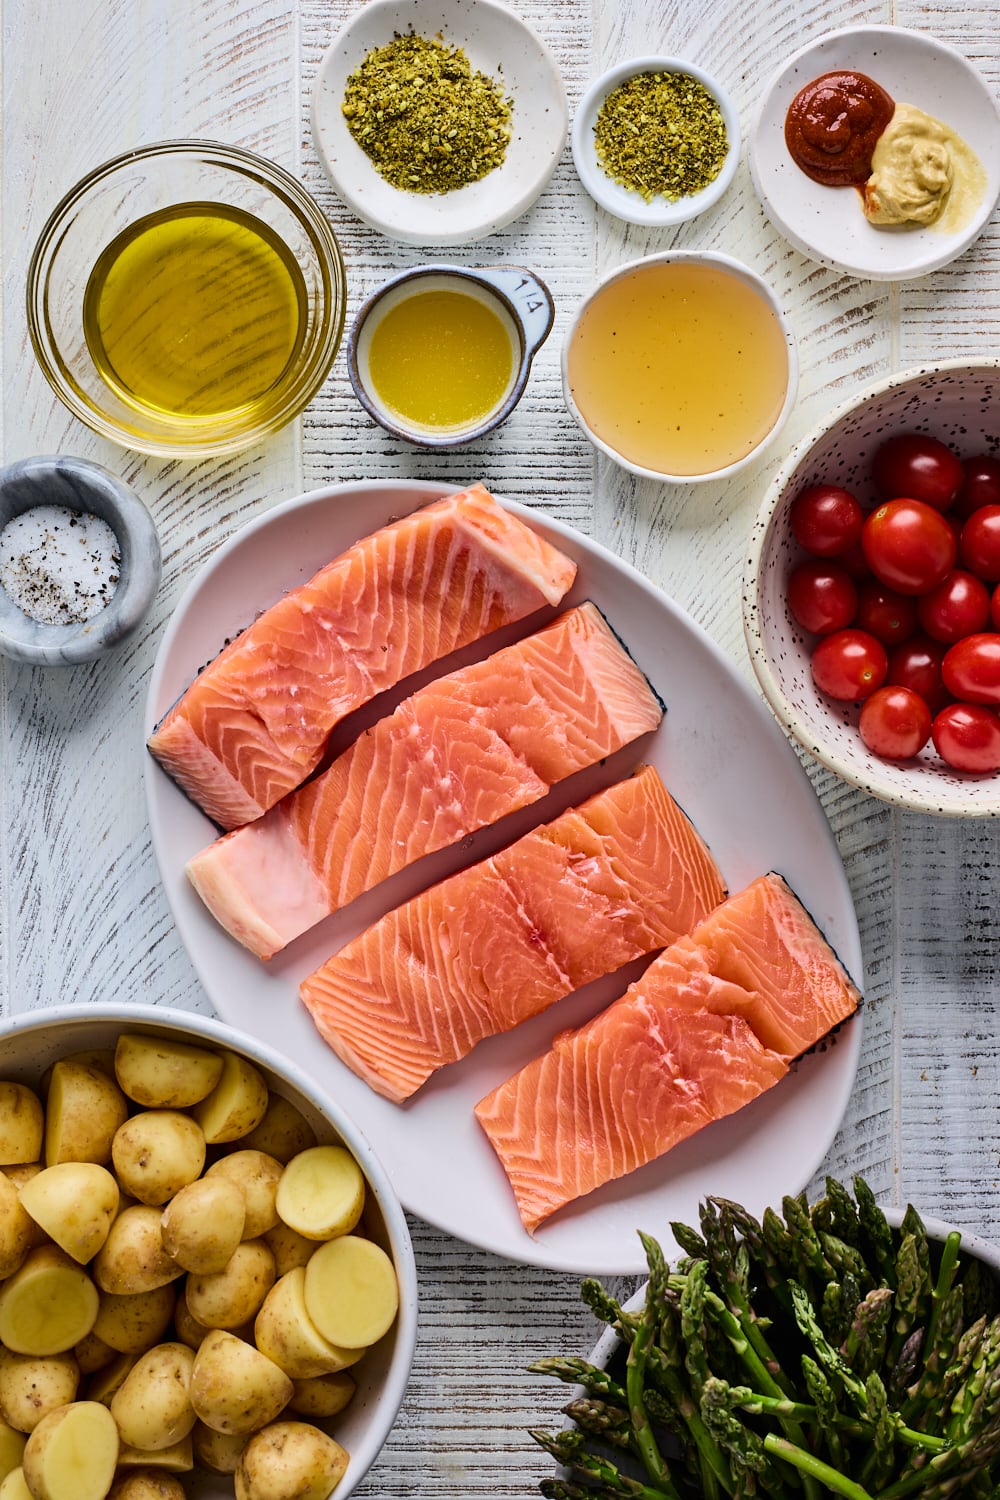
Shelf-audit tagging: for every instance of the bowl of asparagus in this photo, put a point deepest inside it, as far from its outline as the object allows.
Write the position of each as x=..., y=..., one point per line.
x=840, y=1349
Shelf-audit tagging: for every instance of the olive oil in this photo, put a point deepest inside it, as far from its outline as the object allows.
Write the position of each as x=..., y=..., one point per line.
x=195, y=313
x=441, y=360
x=680, y=368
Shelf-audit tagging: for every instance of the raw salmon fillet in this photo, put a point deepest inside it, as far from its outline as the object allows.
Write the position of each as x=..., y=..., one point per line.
x=255, y=722
x=619, y=876
x=455, y=756
x=685, y=1045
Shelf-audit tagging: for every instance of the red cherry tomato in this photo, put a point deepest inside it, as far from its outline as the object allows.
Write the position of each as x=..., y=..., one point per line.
x=821, y=596
x=826, y=521
x=849, y=665
x=981, y=485
x=971, y=668
x=895, y=723
x=909, y=545
x=916, y=664
x=888, y=616
x=995, y=608
x=919, y=467
x=967, y=737
x=980, y=543
x=959, y=605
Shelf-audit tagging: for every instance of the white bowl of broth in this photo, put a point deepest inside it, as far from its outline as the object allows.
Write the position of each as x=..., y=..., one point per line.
x=680, y=366
x=186, y=298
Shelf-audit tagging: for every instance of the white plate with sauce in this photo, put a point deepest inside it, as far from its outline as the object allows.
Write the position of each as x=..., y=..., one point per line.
x=728, y=764
x=827, y=223
x=497, y=43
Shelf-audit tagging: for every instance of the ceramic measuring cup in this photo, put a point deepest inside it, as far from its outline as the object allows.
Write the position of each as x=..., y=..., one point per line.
x=523, y=306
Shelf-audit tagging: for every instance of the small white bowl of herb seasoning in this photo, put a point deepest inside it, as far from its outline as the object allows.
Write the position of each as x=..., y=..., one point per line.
x=79, y=561
x=656, y=141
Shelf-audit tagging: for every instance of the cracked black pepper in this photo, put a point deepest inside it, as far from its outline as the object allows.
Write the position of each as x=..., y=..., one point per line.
x=661, y=135
x=427, y=121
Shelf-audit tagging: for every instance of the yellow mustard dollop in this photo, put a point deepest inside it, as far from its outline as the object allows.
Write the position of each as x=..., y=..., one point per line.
x=923, y=172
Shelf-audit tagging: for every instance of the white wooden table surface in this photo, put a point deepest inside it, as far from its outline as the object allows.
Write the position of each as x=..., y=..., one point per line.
x=82, y=915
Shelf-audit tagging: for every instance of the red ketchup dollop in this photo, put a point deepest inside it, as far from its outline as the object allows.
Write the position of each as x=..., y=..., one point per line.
x=832, y=127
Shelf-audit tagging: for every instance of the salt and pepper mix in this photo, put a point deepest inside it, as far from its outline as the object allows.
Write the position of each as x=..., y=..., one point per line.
x=60, y=566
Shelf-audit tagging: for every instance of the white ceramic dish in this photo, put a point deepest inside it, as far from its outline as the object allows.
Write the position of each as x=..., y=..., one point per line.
x=624, y=202
x=30, y=1042
x=953, y=401
x=498, y=43
x=827, y=224
x=727, y=763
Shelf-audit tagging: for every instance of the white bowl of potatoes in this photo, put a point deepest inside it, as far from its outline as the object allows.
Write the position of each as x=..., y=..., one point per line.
x=207, y=1284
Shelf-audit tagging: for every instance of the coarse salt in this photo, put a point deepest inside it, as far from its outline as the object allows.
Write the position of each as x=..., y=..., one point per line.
x=60, y=566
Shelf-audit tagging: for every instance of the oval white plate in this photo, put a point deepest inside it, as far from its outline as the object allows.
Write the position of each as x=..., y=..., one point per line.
x=827, y=224
x=497, y=43
x=727, y=763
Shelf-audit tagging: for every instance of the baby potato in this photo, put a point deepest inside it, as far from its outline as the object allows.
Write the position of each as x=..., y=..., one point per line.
x=289, y=1248
x=236, y=1105
x=72, y=1453
x=322, y=1396
x=146, y=1484
x=22, y=1124
x=234, y=1295
x=130, y=1323
x=15, y=1228
x=75, y=1202
x=322, y=1193
x=234, y=1388
x=156, y=1153
x=11, y=1448
x=48, y=1305
x=257, y=1176
x=202, y=1225
x=101, y=1058
x=283, y=1132
x=132, y=1258
x=13, y=1486
x=218, y=1451
x=31, y=1386
x=351, y=1291
x=152, y=1406
x=290, y=1458
x=284, y=1331
x=83, y=1110
x=162, y=1074
x=186, y=1327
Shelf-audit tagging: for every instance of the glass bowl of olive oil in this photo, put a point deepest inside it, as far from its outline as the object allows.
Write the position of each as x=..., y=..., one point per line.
x=186, y=298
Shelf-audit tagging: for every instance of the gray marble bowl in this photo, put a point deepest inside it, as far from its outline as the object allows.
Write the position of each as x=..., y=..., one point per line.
x=79, y=485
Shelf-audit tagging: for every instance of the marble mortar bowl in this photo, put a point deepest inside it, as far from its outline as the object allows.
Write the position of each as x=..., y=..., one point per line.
x=82, y=486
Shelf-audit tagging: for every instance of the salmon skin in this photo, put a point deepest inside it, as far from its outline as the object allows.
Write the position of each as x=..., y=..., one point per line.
x=254, y=724
x=687, y=1044
x=619, y=876
x=456, y=756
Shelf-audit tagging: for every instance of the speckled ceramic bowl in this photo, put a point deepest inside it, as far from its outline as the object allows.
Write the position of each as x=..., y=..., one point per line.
x=954, y=401
x=78, y=485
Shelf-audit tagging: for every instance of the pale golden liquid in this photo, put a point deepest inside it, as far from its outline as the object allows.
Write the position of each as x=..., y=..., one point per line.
x=680, y=368
x=195, y=314
x=441, y=359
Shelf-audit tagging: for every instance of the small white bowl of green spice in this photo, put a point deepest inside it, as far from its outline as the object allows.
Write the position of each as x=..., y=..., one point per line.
x=656, y=140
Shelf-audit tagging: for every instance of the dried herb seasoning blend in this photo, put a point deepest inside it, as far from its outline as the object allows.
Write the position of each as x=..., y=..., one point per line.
x=661, y=135
x=428, y=122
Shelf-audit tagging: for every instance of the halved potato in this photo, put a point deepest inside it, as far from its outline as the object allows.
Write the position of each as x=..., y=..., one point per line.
x=284, y=1331
x=290, y=1458
x=283, y=1132
x=75, y=1202
x=236, y=1105
x=257, y=1176
x=152, y=1406
x=232, y=1296
x=234, y=1388
x=130, y=1323
x=132, y=1258
x=11, y=1448
x=351, y=1291
x=48, y=1305
x=32, y=1385
x=162, y=1074
x=321, y=1193
x=22, y=1124
x=16, y=1229
x=156, y=1153
x=83, y=1110
x=72, y=1453
x=323, y=1396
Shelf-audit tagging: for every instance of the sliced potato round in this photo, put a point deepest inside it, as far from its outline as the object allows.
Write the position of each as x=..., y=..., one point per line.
x=322, y=1396
x=351, y=1291
x=162, y=1074
x=72, y=1453
x=321, y=1193
x=156, y=1153
x=230, y=1297
x=75, y=1202
x=48, y=1305
x=257, y=1176
x=32, y=1385
x=234, y=1388
x=132, y=1323
x=22, y=1124
x=284, y=1331
x=83, y=1110
x=202, y=1225
x=283, y=1132
x=152, y=1406
x=290, y=1458
x=237, y=1103
x=132, y=1258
